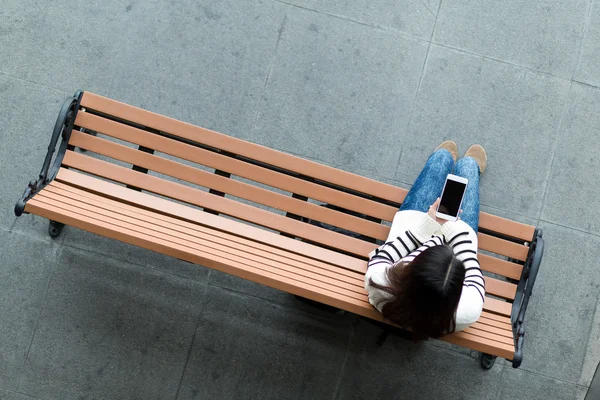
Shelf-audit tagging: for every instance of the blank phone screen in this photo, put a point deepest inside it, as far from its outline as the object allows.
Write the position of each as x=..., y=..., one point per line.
x=452, y=197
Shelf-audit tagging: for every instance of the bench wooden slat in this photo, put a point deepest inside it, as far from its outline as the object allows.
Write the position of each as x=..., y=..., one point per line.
x=497, y=306
x=222, y=205
x=502, y=337
x=497, y=317
x=505, y=319
x=492, y=322
x=228, y=265
x=502, y=247
x=472, y=330
x=505, y=333
x=149, y=202
x=500, y=267
x=499, y=288
x=205, y=233
x=243, y=148
x=501, y=331
x=150, y=226
x=228, y=186
x=483, y=345
x=506, y=226
x=235, y=167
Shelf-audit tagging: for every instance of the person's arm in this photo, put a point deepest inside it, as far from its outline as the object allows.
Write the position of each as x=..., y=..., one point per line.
x=425, y=227
x=437, y=240
x=463, y=241
x=383, y=258
x=394, y=250
x=469, y=308
x=402, y=242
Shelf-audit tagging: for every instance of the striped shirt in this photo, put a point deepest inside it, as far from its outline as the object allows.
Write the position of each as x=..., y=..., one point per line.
x=407, y=245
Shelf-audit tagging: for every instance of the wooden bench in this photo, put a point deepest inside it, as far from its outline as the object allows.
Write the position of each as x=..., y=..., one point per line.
x=245, y=212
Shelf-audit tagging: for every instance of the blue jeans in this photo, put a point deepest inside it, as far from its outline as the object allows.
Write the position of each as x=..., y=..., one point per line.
x=430, y=183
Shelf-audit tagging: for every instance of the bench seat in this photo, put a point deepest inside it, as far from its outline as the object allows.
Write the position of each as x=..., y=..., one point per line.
x=240, y=208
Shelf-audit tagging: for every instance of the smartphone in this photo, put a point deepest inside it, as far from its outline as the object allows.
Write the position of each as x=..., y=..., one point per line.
x=452, y=197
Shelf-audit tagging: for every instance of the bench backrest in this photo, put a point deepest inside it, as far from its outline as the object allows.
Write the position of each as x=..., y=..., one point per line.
x=268, y=188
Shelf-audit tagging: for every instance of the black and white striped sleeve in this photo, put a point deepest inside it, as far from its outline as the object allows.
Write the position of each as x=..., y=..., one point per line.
x=394, y=250
x=433, y=241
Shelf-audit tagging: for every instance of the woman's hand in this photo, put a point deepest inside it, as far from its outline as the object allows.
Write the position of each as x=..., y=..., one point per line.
x=433, y=211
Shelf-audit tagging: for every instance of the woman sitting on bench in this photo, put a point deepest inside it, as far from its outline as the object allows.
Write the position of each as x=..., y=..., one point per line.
x=426, y=277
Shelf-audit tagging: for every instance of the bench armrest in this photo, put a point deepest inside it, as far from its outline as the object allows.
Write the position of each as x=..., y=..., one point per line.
x=524, y=290
x=62, y=128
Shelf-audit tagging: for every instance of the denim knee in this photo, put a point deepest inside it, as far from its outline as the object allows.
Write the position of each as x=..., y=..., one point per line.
x=442, y=155
x=467, y=163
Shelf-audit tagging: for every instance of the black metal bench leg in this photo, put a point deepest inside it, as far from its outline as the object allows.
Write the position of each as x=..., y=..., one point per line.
x=382, y=337
x=89, y=132
x=487, y=360
x=55, y=228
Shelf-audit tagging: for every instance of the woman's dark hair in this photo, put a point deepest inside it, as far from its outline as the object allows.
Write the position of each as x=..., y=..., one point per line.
x=426, y=292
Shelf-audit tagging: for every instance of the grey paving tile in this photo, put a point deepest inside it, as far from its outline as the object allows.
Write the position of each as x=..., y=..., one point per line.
x=592, y=354
x=401, y=369
x=561, y=310
x=35, y=226
x=246, y=348
x=572, y=195
x=588, y=70
x=509, y=215
x=397, y=183
x=512, y=112
x=69, y=45
x=122, y=251
x=111, y=330
x=543, y=35
x=25, y=265
x=458, y=349
x=517, y=384
x=6, y=395
x=204, y=63
x=409, y=16
x=27, y=119
x=244, y=286
x=340, y=92
x=21, y=396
